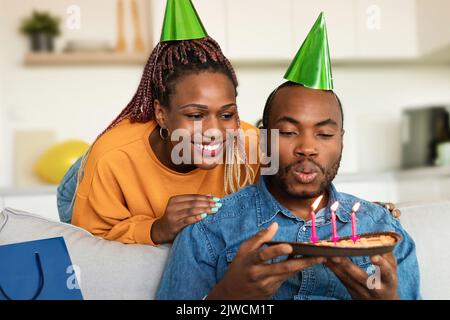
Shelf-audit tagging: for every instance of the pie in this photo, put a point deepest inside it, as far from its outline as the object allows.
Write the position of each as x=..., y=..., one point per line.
x=362, y=242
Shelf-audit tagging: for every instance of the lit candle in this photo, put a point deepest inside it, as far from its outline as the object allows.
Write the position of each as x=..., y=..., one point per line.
x=334, y=237
x=314, y=206
x=355, y=208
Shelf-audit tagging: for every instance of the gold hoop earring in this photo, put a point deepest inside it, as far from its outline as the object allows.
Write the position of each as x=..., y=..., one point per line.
x=161, y=133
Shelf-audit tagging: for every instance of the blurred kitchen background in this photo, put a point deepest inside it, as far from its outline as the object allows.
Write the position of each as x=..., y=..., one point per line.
x=391, y=68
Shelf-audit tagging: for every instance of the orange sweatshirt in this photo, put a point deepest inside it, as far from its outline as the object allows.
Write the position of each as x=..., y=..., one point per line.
x=125, y=188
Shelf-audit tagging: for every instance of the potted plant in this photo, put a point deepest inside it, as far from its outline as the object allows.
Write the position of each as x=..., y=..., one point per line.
x=41, y=28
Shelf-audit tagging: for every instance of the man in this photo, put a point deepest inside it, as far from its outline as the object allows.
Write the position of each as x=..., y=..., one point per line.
x=222, y=258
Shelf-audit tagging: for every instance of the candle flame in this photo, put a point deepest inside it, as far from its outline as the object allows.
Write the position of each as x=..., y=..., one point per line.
x=316, y=203
x=335, y=206
x=356, y=207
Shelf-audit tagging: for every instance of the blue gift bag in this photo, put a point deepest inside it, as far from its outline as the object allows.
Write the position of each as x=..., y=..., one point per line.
x=38, y=270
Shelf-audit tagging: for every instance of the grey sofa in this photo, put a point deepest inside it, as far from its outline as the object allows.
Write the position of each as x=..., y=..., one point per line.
x=111, y=270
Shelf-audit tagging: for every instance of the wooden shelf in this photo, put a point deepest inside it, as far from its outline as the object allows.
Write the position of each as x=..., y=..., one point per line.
x=80, y=58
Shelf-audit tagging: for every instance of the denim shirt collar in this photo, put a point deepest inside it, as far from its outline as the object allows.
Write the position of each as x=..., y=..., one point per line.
x=268, y=207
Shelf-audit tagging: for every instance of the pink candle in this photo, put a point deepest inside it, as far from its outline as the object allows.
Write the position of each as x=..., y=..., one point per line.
x=314, y=206
x=355, y=208
x=334, y=237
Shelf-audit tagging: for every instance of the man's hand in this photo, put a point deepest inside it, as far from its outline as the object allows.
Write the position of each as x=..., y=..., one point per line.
x=250, y=276
x=355, y=279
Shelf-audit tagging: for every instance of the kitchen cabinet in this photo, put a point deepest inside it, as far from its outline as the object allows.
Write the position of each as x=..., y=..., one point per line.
x=259, y=29
x=212, y=15
x=386, y=29
x=434, y=27
x=339, y=17
x=361, y=29
x=157, y=9
x=367, y=30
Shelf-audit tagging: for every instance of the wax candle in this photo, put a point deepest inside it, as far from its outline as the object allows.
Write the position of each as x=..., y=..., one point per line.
x=355, y=208
x=334, y=237
x=314, y=206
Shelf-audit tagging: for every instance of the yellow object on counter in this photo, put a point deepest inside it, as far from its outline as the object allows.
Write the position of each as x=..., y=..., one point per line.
x=55, y=162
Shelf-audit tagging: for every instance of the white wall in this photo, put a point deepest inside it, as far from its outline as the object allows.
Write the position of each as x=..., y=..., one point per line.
x=373, y=97
x=78, y=102
x=3, y=151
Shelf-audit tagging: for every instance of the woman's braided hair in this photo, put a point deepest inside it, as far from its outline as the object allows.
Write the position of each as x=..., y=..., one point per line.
x=169, y=62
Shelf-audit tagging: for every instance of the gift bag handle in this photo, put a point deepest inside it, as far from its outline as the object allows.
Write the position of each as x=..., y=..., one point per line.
x=41, y=280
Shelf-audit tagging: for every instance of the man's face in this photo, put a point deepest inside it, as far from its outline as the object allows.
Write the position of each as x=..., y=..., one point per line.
x=310, y=144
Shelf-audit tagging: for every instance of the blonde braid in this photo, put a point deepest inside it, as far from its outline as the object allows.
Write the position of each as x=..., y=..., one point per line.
x=232, y=174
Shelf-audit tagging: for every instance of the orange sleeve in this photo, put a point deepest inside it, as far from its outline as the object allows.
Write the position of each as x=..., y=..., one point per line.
x=110, y=218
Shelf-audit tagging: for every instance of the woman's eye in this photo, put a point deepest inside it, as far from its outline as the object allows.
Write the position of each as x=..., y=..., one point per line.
x=195, y=116
x=227, y=116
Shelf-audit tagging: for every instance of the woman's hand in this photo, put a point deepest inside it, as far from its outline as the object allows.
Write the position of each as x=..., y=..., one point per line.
x=181, y=211
x=395, y=212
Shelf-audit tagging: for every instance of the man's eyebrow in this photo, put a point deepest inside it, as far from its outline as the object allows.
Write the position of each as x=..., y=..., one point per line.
x=287, y=119
x=326, y=122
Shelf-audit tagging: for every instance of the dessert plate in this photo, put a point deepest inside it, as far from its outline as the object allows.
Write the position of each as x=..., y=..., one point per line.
x=369, y=244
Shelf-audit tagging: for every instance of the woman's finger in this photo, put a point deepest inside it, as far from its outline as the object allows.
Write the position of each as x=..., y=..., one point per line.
x=186, y=205
x=192, y=219
x=192, y=212
x=191, y=197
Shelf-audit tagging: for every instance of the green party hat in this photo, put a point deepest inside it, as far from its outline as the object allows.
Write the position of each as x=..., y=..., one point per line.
x=311, y=66
x=181, y=22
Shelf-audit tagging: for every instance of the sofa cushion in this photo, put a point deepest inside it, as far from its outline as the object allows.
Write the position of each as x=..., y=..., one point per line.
x=428, y=224
x=108, y=269
x=111, y=270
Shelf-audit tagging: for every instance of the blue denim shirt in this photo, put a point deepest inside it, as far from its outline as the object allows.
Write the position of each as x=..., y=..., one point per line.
x=202, y=252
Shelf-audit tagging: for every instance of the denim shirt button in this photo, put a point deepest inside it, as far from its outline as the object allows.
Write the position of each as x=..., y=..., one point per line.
x=304, y=229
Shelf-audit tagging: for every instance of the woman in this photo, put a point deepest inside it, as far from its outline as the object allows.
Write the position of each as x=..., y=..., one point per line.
x=130, y=189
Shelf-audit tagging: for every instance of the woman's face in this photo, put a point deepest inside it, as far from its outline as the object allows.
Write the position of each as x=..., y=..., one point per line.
x=204, y=106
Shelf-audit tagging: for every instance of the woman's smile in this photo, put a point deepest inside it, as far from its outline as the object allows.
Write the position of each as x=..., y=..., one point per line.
x=211, y=149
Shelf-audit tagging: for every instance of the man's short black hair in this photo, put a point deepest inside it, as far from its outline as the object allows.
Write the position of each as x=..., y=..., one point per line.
x=268, y=106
